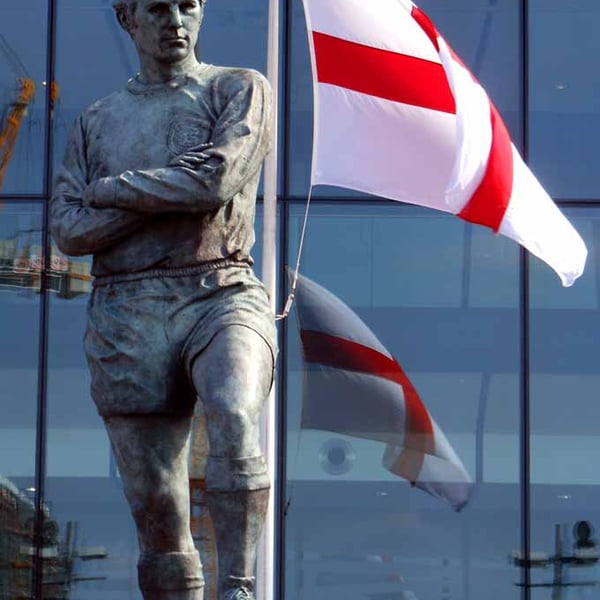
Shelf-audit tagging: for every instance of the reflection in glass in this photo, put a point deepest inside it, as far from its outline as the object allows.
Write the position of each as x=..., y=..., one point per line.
x=22, y=95
x=421, y=285
x=60, y=551
x=353, y=386
x=574, y=550
x=20, y=235
x=17, y=515
x=565, y=439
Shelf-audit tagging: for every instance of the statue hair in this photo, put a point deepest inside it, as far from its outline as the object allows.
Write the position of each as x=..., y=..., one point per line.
x=130, y=4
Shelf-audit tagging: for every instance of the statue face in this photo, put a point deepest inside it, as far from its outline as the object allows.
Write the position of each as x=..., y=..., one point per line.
x=166, y=30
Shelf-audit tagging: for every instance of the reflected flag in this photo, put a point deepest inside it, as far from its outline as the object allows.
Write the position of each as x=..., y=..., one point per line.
x=354, y=386
x=398, y=115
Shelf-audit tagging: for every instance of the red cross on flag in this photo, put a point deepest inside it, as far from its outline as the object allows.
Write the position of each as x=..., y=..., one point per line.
x=398, y=115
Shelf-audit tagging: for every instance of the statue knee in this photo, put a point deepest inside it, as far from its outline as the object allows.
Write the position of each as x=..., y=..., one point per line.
x=226, y=415
x=230, y=474
x=232, y=430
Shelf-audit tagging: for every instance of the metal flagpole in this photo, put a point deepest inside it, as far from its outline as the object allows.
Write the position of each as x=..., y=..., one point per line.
x=265, y=560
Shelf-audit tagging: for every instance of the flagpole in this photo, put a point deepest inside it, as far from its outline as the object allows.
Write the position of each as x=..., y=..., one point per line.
x=265, y=583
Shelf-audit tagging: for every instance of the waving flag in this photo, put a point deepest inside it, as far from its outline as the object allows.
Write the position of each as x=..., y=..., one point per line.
x=398, y=115
x=354, y=386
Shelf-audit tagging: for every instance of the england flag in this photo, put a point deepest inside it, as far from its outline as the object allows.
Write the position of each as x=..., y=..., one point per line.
x=398, y=115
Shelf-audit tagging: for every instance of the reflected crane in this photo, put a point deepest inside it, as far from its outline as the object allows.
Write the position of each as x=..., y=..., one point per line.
x=17, y=110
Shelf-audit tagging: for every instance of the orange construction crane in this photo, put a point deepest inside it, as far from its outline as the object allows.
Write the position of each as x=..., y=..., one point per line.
x=17, y=110
x=8, y=135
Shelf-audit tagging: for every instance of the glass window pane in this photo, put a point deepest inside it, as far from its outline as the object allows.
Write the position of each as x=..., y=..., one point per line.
x=421, y=284
x=563, y=81
x=23, y=41
x=484, y=34
x=235, y=34
x=20, y=240
x=565, y=441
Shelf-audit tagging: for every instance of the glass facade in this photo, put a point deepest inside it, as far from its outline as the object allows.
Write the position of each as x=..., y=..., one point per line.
x=504, y=358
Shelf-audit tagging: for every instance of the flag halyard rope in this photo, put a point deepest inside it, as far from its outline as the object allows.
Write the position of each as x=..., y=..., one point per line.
x=290, y=299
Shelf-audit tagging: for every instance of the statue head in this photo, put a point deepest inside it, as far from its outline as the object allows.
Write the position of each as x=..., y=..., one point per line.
x=165, y=31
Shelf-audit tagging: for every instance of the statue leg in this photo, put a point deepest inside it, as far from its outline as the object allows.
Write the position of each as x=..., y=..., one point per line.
x=232, y=377
x=151, y=452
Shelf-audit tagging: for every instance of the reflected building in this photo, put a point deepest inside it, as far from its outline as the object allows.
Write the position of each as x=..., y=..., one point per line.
x=21, y=267
x=17, y=513
x=20, y=553
x=504, y=358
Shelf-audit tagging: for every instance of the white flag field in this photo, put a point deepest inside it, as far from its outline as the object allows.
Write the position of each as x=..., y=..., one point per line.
x=398, y=115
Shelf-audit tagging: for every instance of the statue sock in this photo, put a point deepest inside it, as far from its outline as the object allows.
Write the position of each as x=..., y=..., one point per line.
x=196, y=594
x=237, y=494
x=238, y=517
x=171, y=576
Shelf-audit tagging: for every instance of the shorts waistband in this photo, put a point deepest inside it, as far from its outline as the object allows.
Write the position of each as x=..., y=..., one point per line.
x=204, y=267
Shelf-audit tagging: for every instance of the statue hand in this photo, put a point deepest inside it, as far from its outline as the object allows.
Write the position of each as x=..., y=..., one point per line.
x=198, y=157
